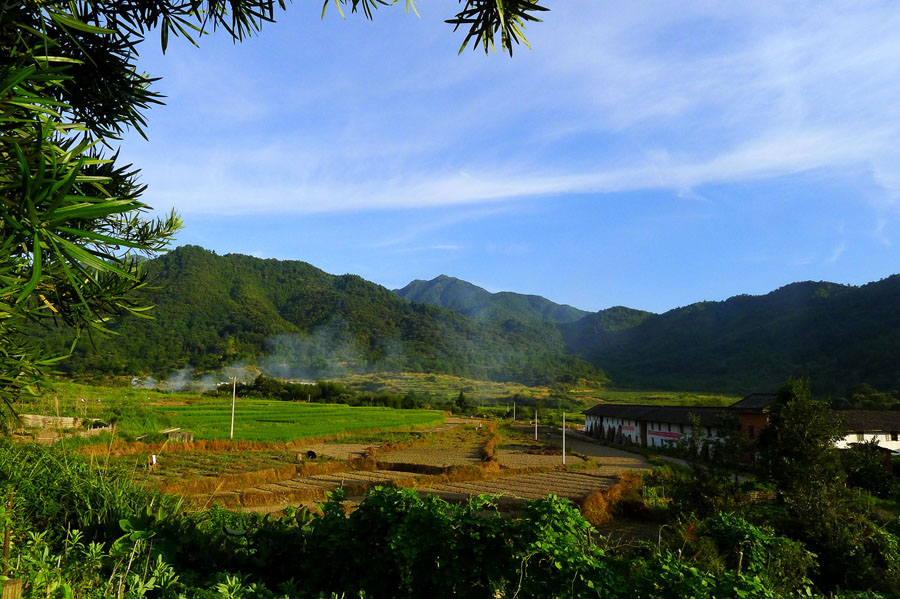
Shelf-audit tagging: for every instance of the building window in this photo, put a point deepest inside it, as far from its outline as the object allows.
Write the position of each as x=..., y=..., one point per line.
x=751, y=432
x=681, y=428
x=894, y=437
x=670, y=427
x=860, y=437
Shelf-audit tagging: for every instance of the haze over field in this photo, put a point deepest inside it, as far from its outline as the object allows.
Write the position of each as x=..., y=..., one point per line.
x=650, y=155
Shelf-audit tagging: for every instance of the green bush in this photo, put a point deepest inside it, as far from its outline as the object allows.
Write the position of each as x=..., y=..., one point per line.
x=784, y=563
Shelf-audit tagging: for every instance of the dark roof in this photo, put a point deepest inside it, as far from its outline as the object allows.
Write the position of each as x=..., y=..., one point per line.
x=870, y=420
x=674, y=414
x=755, y=402
x=634, y=412
x=682, y=415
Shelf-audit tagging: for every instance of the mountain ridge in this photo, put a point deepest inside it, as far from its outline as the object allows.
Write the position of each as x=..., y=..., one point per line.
x=298, y=321
x=838, y=335
x=294, y=318
x=469, y=299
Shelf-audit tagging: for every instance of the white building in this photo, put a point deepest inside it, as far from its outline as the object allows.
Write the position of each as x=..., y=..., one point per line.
x=863, y=426
x=662, y=426
x=650, y=426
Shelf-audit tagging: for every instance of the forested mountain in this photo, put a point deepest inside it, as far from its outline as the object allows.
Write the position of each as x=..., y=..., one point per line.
x=295, y=320
x=839, y=335
x=471, y=300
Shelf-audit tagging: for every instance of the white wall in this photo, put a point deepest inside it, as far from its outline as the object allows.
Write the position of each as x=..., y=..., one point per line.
x=884, y=440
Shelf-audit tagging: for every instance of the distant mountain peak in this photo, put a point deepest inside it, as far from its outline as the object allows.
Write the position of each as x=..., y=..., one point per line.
x=470, y=299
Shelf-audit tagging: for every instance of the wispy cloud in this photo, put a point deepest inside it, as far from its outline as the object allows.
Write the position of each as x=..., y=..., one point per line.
x=837, y=252
x=615, y=97
x=229, y=184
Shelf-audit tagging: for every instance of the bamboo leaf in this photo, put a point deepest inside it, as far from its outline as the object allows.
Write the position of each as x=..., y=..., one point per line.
x=36, y=261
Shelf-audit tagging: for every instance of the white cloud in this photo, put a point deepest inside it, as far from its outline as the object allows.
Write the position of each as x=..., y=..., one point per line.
x=615, y=97
x=241, y=184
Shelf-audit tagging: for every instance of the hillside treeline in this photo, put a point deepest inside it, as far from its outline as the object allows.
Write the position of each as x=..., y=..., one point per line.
x=295, y=321
x=838, y=335
x=266, y=387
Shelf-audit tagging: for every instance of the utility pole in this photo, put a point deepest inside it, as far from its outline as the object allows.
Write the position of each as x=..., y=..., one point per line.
x=564, y=438
x=233, y=395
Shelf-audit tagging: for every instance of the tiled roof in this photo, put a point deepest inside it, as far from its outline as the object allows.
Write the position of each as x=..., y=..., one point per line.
x=634, y=412
x=682, y=415
x=755, y=402
x=673, y=414
x=870, y=420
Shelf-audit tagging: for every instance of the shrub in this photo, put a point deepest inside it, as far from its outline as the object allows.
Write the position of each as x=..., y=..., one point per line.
x=785, y=563
x=600, y=507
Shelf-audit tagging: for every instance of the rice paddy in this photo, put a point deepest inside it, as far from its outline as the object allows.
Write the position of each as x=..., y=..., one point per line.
x=140, y=412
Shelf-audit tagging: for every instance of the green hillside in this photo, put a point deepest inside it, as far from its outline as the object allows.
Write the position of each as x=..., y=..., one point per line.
x=838, y=335
x=294, y=320
x=471, y=300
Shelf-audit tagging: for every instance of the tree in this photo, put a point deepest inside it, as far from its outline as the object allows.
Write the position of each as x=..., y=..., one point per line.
x=865, y=467
x=797, y=449
x=73, y=225
x=462, y=403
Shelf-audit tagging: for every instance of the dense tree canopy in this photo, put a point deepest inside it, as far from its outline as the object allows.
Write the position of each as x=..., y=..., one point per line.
x=72, y=219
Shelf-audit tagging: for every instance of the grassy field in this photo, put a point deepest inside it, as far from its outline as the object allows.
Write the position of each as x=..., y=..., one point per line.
x=442, y=386
x=137, y=412
x=668, y=398
x=278, y=421
x=490, y=393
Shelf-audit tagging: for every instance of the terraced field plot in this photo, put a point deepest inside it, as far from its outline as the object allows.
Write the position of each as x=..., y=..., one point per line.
x=570, y=484
x=457, y=446
x=305, y=489
x=272, y=482
x=197, y=464
x=138, y=411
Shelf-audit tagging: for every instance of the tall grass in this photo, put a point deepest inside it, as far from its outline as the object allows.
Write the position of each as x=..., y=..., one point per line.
x=58, y=491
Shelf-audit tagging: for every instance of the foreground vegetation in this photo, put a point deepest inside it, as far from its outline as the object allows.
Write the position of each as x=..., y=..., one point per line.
x=812, y=524
x=82, y=532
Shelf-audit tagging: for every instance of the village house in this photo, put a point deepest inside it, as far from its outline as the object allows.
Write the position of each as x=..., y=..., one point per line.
x=863, y=426
x=662, y=426
x=651, y=426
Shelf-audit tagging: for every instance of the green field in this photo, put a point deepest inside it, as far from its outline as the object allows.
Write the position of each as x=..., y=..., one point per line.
x=137, y=412
x=140, y=411
x=279, y=421
x=493, y=393
x=667, y=398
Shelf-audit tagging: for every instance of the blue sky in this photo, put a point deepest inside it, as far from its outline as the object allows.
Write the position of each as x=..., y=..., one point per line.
x=648, y=154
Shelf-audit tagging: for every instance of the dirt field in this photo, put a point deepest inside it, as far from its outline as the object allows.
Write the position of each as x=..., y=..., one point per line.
x=569, y=484
x=448, y=461
x=457, y=445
